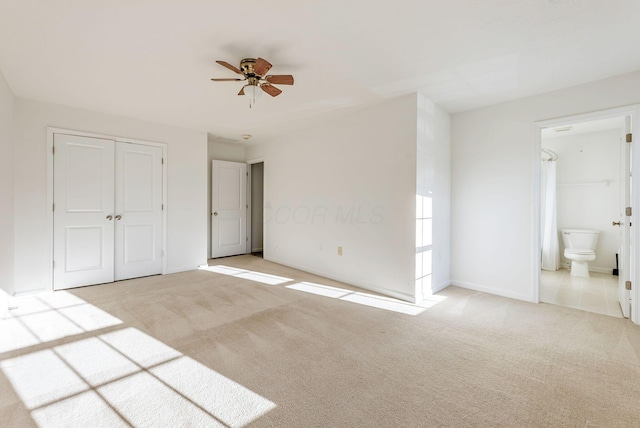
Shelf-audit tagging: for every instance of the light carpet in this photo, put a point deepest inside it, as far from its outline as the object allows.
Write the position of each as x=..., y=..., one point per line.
x=252, y=343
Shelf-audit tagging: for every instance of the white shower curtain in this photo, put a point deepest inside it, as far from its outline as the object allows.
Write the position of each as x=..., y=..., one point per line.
x=550, y=245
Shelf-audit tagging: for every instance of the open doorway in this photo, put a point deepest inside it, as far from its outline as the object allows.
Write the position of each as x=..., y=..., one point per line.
x=582, y=200
x=237, y=201
x=256, y=215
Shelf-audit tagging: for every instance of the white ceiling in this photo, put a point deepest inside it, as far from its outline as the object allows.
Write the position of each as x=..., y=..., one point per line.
x=152, y=59
x=599, y=125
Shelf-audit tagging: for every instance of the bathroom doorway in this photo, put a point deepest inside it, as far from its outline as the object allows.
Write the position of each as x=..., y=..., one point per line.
x=584, y=186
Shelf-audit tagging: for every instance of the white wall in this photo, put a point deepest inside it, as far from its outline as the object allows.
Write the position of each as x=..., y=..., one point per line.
x=187, y=174
x=225, y=152
x=348, y=181
x=492, y=182
x=433, y=192
x=590, y=158
x=7, y=102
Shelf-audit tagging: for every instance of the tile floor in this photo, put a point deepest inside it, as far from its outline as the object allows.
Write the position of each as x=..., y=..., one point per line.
x=598, y=294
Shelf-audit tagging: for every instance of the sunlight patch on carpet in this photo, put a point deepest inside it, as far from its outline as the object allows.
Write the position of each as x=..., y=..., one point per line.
x=127, y=378
x=386, y=303
x=73, y=411
x=105, y=365
x=264, y=278
x=139, y=347
x=218, y=395
x=380, y=302
x=41, y=377
x=143, y=400
x=320, y=290
x=46, y=317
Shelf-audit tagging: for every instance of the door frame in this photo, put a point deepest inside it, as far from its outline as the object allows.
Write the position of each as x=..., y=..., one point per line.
x=51, y=131
x=634, y=274
x=250, y=208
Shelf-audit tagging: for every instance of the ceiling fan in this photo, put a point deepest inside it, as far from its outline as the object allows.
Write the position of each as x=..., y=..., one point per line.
x=254, y=73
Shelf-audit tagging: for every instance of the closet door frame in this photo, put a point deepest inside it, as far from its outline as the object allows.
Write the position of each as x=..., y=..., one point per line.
x=51, y=131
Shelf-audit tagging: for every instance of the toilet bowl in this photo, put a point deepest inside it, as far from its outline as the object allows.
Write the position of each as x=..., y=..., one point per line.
x=580, y=245
x=580, y=259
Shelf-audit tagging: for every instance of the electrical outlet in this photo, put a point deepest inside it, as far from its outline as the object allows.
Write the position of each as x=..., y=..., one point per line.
x=339, y=251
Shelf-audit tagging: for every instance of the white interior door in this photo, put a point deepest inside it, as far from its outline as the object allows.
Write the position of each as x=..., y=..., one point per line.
x=625, y=225
x=138, y=210
x=228, y=208
x=83, y=211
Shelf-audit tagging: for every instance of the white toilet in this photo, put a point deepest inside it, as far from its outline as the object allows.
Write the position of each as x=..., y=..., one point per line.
x=579, y=247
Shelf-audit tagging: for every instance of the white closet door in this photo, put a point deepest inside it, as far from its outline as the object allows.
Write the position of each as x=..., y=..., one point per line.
x=229, y=208
x=83, y=211
x=138, y=209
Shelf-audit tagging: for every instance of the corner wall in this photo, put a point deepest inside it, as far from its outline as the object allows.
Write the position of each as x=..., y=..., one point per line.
x=492, y=183
x=7, y=101
x=350, y=182
x=187, y=174
x=433, y=198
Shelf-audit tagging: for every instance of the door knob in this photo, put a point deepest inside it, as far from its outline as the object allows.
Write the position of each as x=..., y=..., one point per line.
x=615, y=223
x=118, y=217
x=109, y=217
x=215, y=213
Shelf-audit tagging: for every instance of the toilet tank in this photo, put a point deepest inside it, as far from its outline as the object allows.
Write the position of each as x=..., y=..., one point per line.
x=585, y=239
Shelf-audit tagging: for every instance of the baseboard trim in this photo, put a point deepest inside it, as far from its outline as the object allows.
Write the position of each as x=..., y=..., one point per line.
x=492, y=290
x=440, y=287
x=23, y=293
x=384, y=291
x=183, y=269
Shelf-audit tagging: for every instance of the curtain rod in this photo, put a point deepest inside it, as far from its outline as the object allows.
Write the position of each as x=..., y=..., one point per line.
x=552, y=155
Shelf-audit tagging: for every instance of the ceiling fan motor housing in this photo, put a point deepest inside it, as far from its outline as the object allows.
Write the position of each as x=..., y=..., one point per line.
x=247, y=66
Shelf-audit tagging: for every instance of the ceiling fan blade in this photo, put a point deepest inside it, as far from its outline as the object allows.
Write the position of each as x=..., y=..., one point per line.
x=261, y=67
x=230, y=67
x=227, y=80
x=280, y=79
x=270, y=89
x=241, y=91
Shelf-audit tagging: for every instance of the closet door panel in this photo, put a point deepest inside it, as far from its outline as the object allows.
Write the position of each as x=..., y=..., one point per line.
x=83, y=211
x=138, y=207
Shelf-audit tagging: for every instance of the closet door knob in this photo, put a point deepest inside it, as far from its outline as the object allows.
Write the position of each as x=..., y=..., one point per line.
x=118, y=217
x=215, y=213
x=109, y=217
x=615, y=223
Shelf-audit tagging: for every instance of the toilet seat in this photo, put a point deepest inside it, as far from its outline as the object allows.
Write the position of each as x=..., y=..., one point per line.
x=579, y=252
x=580, y=258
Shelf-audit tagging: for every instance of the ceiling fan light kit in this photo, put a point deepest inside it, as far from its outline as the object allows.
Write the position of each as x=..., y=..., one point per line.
x=255, y=72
